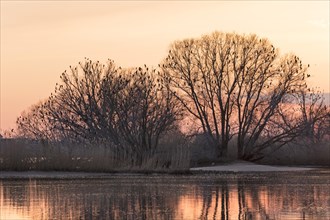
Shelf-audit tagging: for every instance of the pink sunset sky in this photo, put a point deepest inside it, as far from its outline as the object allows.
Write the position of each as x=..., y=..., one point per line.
x=40, y=39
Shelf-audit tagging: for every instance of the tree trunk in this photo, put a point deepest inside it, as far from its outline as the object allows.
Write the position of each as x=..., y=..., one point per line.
x=223, y=148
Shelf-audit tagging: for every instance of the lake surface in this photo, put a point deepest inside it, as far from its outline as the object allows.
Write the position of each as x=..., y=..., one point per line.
x=277, y=195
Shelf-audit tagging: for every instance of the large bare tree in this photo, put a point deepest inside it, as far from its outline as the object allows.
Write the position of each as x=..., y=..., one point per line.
x=233, y=84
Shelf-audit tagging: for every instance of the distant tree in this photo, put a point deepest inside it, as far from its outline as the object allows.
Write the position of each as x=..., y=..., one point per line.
x=34, y=124
x=234, y=84
x=314, y=115
x=131, y=108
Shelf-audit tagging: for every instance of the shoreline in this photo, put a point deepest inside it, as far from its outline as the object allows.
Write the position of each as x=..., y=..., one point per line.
x=245, y=166
x=231, y=168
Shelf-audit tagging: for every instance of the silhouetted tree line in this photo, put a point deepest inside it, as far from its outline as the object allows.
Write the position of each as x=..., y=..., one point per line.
x=229, y=85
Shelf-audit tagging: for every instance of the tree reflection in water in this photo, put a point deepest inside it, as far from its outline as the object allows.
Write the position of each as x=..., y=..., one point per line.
x=243, y=197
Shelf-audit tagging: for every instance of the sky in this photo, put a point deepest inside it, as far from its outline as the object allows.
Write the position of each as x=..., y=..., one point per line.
x=41, y=39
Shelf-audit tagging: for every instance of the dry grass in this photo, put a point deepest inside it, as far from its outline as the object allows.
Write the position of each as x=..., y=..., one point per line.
x=301, y=153
x=22, y=155
x=174, y=154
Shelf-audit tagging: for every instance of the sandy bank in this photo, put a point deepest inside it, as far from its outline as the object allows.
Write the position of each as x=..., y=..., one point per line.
x=243, y=166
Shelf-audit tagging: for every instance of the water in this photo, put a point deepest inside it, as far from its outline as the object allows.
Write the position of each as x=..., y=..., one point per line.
x=292, y=195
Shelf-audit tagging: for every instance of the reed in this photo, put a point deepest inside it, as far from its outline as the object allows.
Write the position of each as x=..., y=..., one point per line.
x=23, y=155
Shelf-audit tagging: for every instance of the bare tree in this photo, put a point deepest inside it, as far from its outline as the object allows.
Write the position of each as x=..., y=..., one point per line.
x=233, y=84
x=130, y=108
x=34, y=124
x=314, y=115
x=77, y=107
x=147, y=112
x=259, y=99
x=199, y=71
